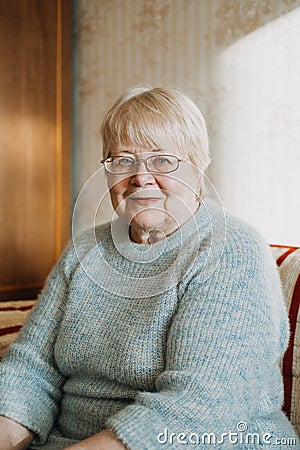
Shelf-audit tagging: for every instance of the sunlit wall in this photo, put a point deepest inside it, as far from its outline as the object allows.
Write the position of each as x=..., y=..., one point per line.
x=256, y=128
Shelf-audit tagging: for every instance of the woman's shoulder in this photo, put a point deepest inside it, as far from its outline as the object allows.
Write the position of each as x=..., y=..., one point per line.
x=243, y=236
x=91, y=236
x=82, y=244
x=235, y=230
x=239, y=254
x=233, y=241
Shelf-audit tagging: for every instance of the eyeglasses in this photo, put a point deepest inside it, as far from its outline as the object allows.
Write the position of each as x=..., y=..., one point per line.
x=120, y=165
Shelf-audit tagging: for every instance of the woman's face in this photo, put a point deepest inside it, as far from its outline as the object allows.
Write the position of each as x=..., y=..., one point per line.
x=150, y=201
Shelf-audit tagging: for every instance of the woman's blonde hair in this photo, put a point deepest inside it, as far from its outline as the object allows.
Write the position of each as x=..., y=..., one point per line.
x=157, y=118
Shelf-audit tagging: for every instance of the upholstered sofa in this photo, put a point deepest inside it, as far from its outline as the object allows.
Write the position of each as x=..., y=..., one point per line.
x=14, y=313
x=288, y=261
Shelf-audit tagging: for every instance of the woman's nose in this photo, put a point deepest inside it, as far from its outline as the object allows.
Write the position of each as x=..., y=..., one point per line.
x=141, y=176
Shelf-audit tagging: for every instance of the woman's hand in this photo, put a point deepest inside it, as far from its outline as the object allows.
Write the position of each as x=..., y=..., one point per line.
x=105, y=440
x=13, y=436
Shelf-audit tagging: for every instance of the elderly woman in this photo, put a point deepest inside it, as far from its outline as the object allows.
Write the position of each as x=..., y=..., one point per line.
x=156, y=329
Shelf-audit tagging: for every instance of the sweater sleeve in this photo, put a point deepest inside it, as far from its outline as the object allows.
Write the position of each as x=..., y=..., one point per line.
x=223, y=350
x=30, y=382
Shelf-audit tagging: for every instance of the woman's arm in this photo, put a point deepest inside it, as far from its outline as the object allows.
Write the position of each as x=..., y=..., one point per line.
x=13, y=435
x=105, y=440
x=30, y=381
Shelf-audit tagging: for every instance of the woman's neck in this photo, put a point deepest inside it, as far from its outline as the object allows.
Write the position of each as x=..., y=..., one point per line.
x=148, y=236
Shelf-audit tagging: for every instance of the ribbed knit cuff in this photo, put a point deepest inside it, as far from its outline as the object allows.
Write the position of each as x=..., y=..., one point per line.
x=138, y=428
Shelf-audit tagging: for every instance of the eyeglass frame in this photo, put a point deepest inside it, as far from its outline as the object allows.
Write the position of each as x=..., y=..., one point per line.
x=137, y=161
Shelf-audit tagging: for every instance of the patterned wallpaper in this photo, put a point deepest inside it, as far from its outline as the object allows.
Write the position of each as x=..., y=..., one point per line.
x=235, y=59
x=121, y=43
x=237, y=18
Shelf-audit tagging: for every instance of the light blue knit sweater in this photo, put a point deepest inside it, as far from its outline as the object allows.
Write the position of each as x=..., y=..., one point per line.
x=182, y=337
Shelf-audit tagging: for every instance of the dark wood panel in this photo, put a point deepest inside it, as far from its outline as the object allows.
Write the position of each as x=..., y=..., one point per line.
x=34, y=139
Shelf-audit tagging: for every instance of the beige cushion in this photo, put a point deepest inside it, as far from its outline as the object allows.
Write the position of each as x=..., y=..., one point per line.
x=12, y=316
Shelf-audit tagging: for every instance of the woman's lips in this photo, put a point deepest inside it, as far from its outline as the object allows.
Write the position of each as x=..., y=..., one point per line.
x=144, y=200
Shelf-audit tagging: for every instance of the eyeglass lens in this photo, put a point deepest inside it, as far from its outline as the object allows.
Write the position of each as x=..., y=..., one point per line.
x=157, y=163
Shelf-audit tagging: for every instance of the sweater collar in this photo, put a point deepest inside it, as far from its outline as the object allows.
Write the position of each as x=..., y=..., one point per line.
x=194, y=227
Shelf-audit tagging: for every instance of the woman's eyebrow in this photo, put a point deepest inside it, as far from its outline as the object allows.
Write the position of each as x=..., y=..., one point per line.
x=128, y=152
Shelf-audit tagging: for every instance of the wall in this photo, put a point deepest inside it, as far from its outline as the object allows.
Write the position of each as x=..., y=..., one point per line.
x=255, y=120
x=119, y=44
x=231, y=57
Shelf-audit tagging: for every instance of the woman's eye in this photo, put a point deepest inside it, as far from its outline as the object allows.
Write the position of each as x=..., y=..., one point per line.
x=124, y=161
x=162, y=160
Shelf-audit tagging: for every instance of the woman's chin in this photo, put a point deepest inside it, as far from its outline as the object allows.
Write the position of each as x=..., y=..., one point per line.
x=149, y=219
